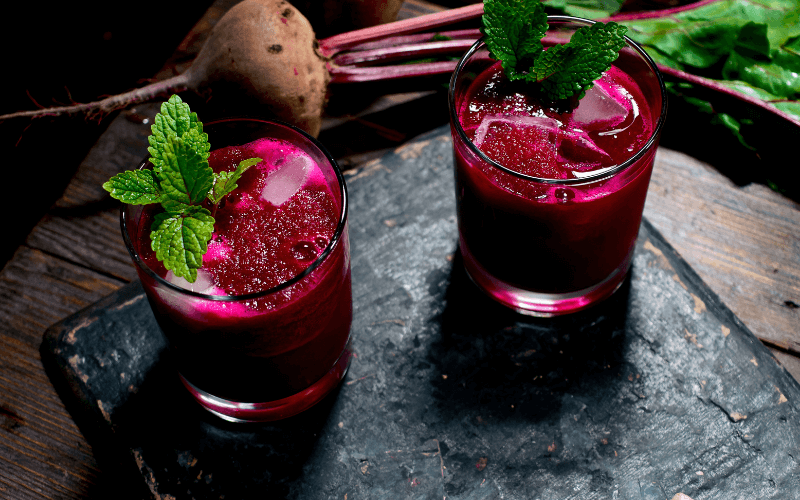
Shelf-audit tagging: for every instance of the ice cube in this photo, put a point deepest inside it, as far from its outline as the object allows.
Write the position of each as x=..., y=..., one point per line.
x=186, y=304
x=578, y=149
x=601, y=108
x=203, y=284
x=196, y=308
x=545, y=124
x=286, y=180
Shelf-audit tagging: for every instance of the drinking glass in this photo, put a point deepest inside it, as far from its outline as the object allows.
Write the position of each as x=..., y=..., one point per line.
x=542, y=246
x=272, y=353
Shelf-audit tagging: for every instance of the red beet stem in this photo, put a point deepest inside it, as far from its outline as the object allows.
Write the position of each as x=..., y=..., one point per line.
x=350, y=74
x=395, y=41
x=403, y=52
x=332, y=45
x=652, y=14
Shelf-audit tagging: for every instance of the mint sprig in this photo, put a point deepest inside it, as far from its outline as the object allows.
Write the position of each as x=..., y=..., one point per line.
x=183, y=183
x=513, y=31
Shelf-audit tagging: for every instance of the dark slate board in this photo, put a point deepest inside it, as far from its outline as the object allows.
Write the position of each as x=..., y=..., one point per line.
x=659, y=390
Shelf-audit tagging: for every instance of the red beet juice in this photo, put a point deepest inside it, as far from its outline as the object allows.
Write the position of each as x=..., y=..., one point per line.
x=549, y=200
x=264, y=331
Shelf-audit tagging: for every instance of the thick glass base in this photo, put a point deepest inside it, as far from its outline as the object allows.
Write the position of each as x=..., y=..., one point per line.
x=267, y=411
x=544, y=304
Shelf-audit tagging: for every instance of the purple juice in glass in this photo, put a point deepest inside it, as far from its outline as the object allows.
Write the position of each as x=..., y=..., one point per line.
x=264, y=331
x=550, y=201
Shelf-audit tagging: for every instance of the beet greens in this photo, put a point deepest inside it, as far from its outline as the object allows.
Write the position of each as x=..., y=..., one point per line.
x=746, y=49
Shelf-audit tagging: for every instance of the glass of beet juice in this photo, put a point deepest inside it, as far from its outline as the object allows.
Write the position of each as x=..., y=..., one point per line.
x=264, y=331
x=550, y=199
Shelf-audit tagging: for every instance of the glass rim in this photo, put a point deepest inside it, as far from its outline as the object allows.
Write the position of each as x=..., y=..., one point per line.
x=600, y=174
x=337, y=235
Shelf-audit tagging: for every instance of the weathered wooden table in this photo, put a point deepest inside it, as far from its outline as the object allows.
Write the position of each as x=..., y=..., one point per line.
x=743, y=241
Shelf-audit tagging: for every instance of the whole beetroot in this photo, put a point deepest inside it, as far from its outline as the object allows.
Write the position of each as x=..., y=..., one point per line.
x=261, y=57
x=264, y=52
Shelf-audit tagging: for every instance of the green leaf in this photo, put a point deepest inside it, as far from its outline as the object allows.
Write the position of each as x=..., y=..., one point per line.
x=792, y=46
x=588, y=9
x=184, y=175
x=779, y=77
x=753, y=41
x=571, y=69
x=705, y=35
x=176, y=120
x=134, y=187
x=752, y=47
x=225, y=182
x=686, y=92
x=514, y=31
x=181, y=239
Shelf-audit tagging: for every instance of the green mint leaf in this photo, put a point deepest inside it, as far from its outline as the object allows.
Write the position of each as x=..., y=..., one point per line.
x=225, y=182
x=181, y=239
x=513, y=32
x=184, y=176
x=176, y=120
x=181, y=180
x=134, y=187
x=571, y=69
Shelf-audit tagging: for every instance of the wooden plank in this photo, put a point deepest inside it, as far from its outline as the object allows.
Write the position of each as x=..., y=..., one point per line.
x=83, y=226
x=43, y=454
x=743, y=242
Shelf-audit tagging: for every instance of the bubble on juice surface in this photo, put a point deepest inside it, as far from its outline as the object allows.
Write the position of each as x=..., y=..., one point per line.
x=304, y=251
x=564, y=195
x=287, y=179
x=602, y=108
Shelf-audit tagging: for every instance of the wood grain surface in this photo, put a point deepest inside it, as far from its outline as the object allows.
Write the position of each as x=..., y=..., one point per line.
x=743, y=241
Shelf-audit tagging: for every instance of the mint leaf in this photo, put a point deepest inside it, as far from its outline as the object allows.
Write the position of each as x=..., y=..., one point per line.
x=513, y=31
x=184, y=175
x=571, y=69
x=180, y=239
x=225, y=182
x=134, y=187
x=176, y=120
x=181, y=180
